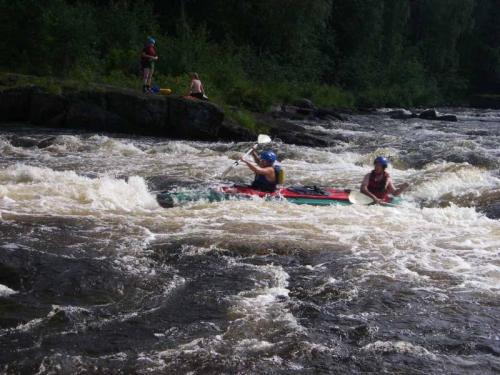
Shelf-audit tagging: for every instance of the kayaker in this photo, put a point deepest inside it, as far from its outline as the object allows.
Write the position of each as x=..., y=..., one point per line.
x=196, y=89
x=268, y=173
x=378, y=183
x=148, y=58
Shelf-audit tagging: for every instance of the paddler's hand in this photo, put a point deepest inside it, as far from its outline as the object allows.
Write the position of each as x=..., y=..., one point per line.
x=404, y=186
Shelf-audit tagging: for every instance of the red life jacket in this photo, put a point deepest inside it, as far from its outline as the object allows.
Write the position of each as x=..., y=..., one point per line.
x=148, y=50
x=378, y=188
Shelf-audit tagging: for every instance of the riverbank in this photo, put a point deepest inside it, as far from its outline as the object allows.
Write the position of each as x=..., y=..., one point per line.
x=54, y=103
x=99, y=107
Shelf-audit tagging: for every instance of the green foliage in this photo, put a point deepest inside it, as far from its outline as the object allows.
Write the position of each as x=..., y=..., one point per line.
x=255, y=53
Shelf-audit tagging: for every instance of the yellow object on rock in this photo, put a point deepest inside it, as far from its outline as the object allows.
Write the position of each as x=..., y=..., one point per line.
x=165, y=91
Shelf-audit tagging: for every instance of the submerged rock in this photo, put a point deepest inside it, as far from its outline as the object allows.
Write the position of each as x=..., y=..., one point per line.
x=304, y=104
x=493, y=211
x=431, y=114
x=428, y=114
x=401, y=114
x=451, y=118
x=293, y=133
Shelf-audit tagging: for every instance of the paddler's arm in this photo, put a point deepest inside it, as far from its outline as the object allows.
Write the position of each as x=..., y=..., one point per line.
x=190, y=88
x=258, y=170
x=365, y=191
x=149, y=57
x=391, y=189
x=400, y=189
x=255, y=155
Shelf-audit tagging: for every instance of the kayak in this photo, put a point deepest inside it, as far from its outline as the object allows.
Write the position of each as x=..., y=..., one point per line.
x=310, y=195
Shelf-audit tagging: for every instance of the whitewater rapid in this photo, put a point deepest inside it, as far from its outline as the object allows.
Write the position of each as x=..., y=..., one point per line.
x=88, y=254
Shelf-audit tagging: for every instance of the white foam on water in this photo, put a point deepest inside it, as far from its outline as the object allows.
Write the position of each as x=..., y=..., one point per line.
x=5, y=291
x=67, y=143
x=451, y=178
x=258, y=317
x=174, y=147
x=115, y=146
x=259, y=314
x=43, y=190
x=417, y=245
x=398, y=347
x=438, y=249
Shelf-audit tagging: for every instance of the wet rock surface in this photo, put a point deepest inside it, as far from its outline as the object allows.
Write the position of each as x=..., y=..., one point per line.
x=106, y=108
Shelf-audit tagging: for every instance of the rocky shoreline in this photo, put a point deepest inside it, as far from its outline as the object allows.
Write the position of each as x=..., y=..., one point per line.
x=111, y=109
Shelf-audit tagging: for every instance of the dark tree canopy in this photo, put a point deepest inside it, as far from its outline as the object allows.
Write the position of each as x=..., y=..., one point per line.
x=381, y=51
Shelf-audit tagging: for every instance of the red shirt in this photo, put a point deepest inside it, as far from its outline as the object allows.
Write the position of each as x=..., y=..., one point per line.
x=150, y=51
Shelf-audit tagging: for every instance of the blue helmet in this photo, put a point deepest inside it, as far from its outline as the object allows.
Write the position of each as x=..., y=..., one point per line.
x=151, y=40
x=382, y=161
x=268, y=156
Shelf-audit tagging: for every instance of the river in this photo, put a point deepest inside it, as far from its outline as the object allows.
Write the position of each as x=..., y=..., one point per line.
x=96, y=277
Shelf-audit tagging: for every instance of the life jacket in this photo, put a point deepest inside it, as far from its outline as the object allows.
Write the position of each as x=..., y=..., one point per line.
x=148, y=50
x=378, y=188
x=261, y=183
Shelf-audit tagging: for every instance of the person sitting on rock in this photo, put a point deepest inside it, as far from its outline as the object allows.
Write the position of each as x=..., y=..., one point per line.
x=148, y=58
x=378, y=183
x=268, y=173
x=196, y=89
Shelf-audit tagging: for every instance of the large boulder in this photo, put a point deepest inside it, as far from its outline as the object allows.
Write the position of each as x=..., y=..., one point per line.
x=85, y=115
x=150, y=114
x=328, y=114
x=294, y=133
x=429, y=114
x=44, y=107
x=401, y=114
x=195, y=119
x=304, y=104
x=451, y=118
x=112, y=109
x=15, y=103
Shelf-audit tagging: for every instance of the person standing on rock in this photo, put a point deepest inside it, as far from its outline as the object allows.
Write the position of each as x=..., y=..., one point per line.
x=148, y=58
x=196, y=89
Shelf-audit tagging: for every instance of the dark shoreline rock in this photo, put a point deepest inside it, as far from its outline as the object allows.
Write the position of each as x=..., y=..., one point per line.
x=117, y=110
x=293, y=133
x=427, y=114
x=401, y=114
x=105, y=108
x=432, y=114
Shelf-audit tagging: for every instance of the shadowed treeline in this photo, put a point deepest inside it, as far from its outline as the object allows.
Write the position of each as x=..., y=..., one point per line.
x=253, y=53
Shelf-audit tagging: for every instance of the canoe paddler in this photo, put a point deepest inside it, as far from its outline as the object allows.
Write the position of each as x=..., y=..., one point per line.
x=378, y=183
x=268, y=173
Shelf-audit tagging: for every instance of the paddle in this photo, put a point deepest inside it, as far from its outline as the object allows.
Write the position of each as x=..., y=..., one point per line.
x=261, y=139
x=357, y=197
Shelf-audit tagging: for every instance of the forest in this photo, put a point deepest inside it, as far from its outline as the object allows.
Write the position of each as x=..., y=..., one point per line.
x=254, y=53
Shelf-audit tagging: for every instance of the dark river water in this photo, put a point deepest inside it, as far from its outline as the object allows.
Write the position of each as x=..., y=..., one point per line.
x=96, y=277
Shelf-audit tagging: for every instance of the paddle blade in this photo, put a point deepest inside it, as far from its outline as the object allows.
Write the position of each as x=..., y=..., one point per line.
x=357, y=197
x=263, y=138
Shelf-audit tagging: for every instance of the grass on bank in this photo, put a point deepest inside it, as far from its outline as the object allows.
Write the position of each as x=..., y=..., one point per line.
x=238, y=100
